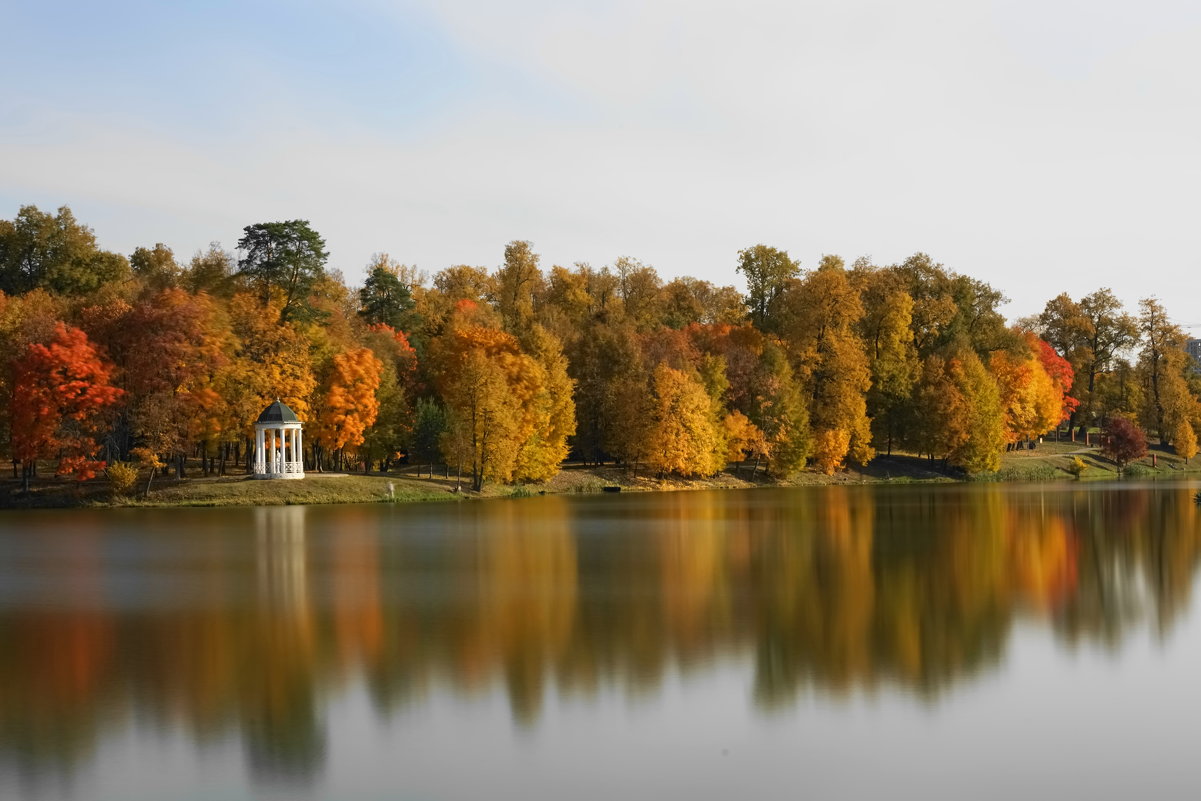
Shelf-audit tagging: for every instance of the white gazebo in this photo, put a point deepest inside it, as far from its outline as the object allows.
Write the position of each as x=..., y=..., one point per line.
x=279, y=443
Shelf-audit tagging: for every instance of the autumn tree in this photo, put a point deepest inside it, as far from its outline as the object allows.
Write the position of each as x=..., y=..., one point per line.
x=682, y=433
x=553, y=410
x=961, y=420
x=929, y=285
x=1031, y=402
x=563, y=304
x=489, y=387
x=978, y=322
x=685, y=301
x=601, y=361
x=1184, y=439
x=451, y=287
x=818, y=318
x=347, y=405
x=1059, y=370
x=1163, y=364
x=155, y=267
x=169, y=349
x=272, y=360
x=1123, y=440
x=463, y=282
x=24, y=320
x=1090, y=335
x=517, y=282
x=392, y=429
x=287, y=258
x=61, y=392
x=209, y=271
x=885, y=329
x=744, y=441
x=766, y=271
x=639, y=287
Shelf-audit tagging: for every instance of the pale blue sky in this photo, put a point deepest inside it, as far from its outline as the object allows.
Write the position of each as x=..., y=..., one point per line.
x=1040, y=146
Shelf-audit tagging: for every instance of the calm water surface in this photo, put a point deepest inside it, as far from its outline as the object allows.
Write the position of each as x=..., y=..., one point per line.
x=927, y=642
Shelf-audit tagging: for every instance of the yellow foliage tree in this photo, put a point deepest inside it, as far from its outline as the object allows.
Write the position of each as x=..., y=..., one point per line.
x=961, y=412
x=830, y=446
x=1184, y=439
x=744, y=440
x=273, y=360
x=553, y=410
x=489, y=387
x=819, y=317
x=683, y=434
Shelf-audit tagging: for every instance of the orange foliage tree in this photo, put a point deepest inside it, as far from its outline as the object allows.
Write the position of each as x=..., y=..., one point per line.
x=1061, y=373
x=1031, y=402
x=60, y=393
x=348, y=405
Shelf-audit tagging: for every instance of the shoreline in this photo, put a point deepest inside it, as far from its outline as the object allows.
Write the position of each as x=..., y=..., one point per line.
x=1048, y=463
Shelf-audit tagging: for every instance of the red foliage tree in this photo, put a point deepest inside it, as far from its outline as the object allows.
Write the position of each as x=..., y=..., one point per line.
x=1059, y=369
x=1124, y=440
x=60, y=393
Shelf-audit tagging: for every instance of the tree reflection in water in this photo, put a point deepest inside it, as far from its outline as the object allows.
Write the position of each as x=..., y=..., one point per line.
x=245, y=623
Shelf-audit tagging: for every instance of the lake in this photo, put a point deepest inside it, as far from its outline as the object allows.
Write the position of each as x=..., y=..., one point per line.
x=922, y=641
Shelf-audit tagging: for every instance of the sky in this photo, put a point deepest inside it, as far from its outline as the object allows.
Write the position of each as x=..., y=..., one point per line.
x=1041, y=146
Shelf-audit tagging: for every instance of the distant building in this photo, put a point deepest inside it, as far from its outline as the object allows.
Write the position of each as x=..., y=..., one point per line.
x=1193, y=346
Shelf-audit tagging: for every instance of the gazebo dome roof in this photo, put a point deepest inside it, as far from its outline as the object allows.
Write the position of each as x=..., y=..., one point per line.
x=278, y=413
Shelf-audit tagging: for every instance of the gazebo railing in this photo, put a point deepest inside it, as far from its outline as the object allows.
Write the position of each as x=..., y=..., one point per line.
x=278, y=467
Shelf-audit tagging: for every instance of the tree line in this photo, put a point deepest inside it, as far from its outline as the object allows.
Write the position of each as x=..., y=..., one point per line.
x=503, y=374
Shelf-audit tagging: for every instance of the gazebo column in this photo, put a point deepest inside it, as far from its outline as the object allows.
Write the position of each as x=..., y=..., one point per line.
x=259, y=455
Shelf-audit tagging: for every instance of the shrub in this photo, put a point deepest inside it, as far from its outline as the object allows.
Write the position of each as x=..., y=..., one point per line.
x=122, y=477
x=1077, y=466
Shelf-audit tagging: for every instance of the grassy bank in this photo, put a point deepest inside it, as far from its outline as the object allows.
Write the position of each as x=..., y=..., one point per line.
x=1048, y=462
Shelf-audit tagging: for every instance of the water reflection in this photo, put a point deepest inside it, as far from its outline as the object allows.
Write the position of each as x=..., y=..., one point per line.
x=247, y=623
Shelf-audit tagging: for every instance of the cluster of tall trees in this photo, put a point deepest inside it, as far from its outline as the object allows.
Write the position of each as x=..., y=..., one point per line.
x=502, y=374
